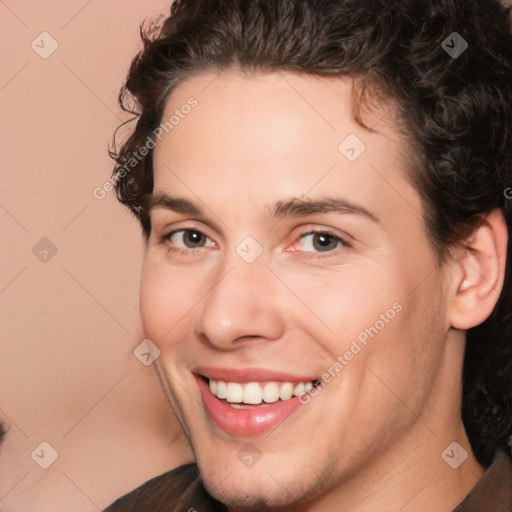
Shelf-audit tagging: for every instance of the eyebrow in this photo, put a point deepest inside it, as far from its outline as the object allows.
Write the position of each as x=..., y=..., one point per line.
x=294, y=207
x=302, y=207
x=176, y=204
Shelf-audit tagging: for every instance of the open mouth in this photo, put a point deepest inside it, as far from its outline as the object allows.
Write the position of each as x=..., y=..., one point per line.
x=257, y=393
x=251, y=408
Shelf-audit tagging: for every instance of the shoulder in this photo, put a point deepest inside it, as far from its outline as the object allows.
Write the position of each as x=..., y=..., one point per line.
x=494, y=489
x=164, y=493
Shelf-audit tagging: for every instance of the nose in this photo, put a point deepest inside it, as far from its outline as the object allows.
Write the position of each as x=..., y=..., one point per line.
x=241, y=307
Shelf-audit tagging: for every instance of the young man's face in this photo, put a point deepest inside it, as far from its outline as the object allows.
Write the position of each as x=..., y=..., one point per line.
x=346, y=285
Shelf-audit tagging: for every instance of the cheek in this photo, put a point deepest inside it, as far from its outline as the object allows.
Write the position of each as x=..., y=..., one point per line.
x=403, y=359
x=343, y=304
x=165, y=299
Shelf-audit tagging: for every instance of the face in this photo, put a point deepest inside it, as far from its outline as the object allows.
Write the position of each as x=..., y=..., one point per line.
x=281, y=255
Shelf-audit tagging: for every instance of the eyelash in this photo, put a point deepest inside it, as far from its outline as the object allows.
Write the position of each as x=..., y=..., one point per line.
x=305, y=254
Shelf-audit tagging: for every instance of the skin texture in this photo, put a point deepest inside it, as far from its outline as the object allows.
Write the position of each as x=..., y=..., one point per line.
x=372, y=438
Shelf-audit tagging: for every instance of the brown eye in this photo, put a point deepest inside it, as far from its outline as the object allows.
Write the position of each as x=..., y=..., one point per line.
x=189, y=239
x=194, y=239
x=325, y=242
x=319, y=242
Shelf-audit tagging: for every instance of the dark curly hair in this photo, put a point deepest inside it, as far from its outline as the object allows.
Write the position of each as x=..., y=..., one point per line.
x=455, y=110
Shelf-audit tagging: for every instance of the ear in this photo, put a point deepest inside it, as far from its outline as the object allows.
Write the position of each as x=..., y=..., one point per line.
x=479, y=270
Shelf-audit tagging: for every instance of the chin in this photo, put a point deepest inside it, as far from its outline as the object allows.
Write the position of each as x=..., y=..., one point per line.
x=242, y=496
x=260, y=488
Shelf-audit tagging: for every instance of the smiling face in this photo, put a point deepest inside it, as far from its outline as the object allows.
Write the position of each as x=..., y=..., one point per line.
x=278, y=258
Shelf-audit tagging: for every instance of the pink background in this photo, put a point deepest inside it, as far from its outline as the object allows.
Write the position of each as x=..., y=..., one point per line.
x=68, y=375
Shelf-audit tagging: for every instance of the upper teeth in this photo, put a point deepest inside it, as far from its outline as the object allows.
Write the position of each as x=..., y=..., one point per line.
x=254, y=393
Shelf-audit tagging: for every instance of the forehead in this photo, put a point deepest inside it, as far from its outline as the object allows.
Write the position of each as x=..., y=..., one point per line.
x=278, y=134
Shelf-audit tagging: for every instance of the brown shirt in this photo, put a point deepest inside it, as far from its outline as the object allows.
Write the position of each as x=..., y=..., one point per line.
x=181, y=490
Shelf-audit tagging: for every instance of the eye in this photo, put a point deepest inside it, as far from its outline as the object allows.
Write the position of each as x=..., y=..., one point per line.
x=188, y=239
x=318, y=241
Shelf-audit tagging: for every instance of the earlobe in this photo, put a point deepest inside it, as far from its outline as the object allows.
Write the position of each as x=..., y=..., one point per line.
x=480, y=271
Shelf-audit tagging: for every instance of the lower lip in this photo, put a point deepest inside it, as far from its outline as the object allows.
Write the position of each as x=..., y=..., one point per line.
x=246, y=422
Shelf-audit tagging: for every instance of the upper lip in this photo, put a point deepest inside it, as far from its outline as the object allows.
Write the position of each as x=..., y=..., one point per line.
x=244, y=375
